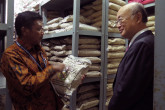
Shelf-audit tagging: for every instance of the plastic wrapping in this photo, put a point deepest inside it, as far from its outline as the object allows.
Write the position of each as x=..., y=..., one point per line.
x=68, y=81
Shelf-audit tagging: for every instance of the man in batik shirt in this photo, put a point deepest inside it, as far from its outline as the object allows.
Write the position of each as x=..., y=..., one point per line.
x=27, y=71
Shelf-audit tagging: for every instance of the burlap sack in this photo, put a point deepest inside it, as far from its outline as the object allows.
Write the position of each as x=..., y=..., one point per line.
x=113, y=65
x=83, y=27
x=46, y=48
x=110, y=93
x=151, y=28
x=94, y=59
x=56, y=59
x=55, y=20
x=116, y=55
x=59, y=47
x=112, y=24
x=87, y=87
x=93, y=74
x=89, y=53
x=114, y=6
x=109, y=87
x=112, y=17
x=88, y=13
x=117, y=41
x=95, y=67
x=110, y=81
x=48, y=54
x=97, y=24
x=114, y=48
x=87, y=95
x=84, y=41
x=112, y=12
x=93, y=108
x=119, y=2
x=64, y=25
x=114, y=60
x=96, y=14
x=88, y=104
x=98, y=19
x=112, y=71
x=97, y=2
x=150, y=23
x=97, y=47
x=113, y=30
x=151, y=18
x=97, y=7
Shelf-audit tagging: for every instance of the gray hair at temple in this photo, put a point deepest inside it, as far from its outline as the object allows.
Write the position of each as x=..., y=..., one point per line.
x=138, y=7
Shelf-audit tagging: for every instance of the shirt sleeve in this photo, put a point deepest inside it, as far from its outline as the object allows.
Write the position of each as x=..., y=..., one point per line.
x=17, y=72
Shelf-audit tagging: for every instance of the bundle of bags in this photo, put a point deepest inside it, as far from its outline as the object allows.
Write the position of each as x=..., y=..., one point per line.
x=66, y=82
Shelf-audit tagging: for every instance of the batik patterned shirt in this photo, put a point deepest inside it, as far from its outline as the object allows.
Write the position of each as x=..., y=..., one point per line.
x=28, y=85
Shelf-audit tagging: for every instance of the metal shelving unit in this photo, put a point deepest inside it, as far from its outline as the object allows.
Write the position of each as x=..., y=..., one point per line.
x=75, y=33
x=6, y=39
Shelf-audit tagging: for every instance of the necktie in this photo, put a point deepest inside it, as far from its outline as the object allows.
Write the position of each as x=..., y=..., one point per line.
x=127, y=48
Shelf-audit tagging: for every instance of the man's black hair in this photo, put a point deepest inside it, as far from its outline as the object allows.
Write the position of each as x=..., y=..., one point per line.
x=25, y=19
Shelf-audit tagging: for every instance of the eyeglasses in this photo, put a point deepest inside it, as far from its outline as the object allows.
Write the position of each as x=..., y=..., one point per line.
x=121, y=20
x=115, y=23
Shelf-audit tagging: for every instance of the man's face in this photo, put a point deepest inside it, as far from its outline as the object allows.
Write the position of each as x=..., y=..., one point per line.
x=35, y=34
x=126, y=23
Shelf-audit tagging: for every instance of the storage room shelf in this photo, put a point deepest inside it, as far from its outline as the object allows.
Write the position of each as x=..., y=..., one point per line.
x=3, y=26
x=91, y=79
x=61, y=4
x=67, y=33
x=114, y=35
x=149, y=5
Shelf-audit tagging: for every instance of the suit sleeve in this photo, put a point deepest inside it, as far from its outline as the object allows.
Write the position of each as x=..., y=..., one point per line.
x=138, y=76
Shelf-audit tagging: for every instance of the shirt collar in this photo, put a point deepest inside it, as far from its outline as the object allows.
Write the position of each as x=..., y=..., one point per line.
x=29, y=47
x=136, y=35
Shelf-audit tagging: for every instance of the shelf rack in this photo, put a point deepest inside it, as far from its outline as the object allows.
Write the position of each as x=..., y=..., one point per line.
x=6, y=39
x=75, y=32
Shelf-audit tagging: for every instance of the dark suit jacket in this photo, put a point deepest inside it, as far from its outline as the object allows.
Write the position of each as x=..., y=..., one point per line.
x=133, y=85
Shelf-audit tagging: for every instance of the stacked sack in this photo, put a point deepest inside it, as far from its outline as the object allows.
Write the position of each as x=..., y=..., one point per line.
x=151, y=23
x=60, y=24
x=114, y=6
x=116, y=50
x=57, y=49
x=94, y=12
x=52, y=14
x=90, y=48
x=88, y=96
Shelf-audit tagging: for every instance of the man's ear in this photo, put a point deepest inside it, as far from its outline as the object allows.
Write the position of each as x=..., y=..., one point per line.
x=139, y=17
x=24, y=30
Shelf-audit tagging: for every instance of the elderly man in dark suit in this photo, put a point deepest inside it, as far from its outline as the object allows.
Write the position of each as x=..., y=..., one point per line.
x=133, y=84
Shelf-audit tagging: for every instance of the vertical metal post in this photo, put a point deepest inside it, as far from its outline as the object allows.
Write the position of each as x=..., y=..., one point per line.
x=75, y=35
x=10, y=20
x=104, y=46
x=44, y=14
x=75, y=39
x=159, y=58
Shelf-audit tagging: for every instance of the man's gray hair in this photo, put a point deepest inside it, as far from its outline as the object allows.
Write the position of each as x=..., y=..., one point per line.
x=138, y=7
